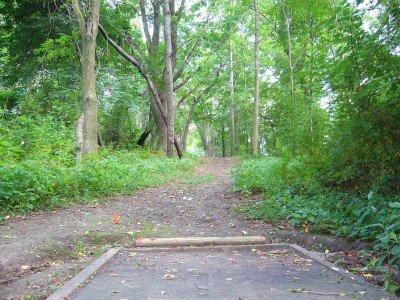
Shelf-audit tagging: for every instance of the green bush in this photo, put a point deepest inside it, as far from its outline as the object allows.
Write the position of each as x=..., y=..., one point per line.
x=38, y=169
x=33, y=185
x=26, y=138
x=293, y=193
x=258, y=176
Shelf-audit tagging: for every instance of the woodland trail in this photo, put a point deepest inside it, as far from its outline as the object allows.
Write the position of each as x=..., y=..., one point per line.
x=42, y=250
x=45, y=249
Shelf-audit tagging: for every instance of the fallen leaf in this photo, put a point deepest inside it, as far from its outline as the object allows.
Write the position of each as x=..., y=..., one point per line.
x=362, y=293
x=171, y=270
x=115, y=218
x=235, y=261
x=281, y=252
x=169, y=277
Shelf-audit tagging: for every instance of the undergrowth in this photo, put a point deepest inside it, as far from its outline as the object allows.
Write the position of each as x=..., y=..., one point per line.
x=38, y=169
x=294, y=193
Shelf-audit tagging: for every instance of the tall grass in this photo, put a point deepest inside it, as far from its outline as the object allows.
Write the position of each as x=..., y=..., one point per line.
x=38, y=169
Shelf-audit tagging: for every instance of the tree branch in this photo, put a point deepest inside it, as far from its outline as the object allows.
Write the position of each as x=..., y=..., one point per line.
x=156, y=26
x=196, y=45
x=146, y=76
x=145, y=25
x=197, y=86
x=79, y=17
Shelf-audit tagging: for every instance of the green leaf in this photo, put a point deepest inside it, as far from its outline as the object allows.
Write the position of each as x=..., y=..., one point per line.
x=394, y=204
x=374, y=225
x=391, y=287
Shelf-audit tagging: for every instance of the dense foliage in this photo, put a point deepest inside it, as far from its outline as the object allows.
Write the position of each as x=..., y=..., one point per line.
x=297, y=191
x=38, y=169
x=329, y=109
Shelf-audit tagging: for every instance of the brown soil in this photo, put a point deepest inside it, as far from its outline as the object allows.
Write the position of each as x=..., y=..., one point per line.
x=43, y=250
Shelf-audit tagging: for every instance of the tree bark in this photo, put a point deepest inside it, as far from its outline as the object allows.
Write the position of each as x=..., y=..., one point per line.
x=203, y=135
x=291, y=73
x=160, y=123
x=256, y=77
x=169, y=80
x=232, y=103
x=88, y=31
x=79, y=138
x=212, y=134
x=223, y=146
x=187, y=123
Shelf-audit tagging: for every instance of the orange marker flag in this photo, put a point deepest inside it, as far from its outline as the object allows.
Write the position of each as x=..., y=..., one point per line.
x=306, y=230
x=115, y=218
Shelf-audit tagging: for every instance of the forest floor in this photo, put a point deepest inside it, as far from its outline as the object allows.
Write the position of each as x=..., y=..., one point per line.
x=41, y=251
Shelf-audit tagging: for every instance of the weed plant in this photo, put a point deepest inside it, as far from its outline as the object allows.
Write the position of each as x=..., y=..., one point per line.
x=294, y=192
x=38, y=169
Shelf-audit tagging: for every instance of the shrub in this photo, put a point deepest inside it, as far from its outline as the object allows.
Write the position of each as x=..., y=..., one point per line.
x=34, y=184
x=293, y=193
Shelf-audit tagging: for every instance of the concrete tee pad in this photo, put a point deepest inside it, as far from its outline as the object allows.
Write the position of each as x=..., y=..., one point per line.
x=222, y=272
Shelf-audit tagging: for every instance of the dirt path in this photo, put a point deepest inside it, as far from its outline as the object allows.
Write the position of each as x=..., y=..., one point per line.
x=42, y=250
x=45, y=249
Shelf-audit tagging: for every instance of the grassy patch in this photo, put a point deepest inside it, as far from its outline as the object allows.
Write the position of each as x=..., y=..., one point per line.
x=293, y=193
x=34, y=184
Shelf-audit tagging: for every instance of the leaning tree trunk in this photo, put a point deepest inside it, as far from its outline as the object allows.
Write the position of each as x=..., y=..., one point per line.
x=88, y=31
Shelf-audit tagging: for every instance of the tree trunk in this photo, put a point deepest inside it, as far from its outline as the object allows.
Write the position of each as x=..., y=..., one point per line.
x=256, y=77
x=169, y=80
x=146, y=133
x=160, y=123
x=291, y=73
x=88, y=30
x=187, y=123
x=223, y=146
x=204, y=140
x=232, y=104
x=212, y=133
x=79, y=138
